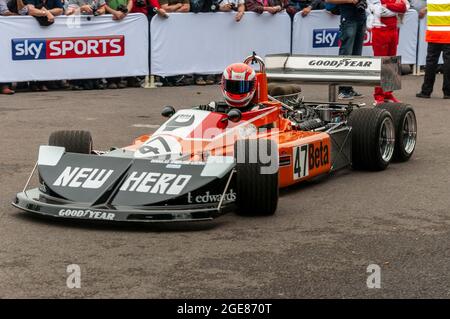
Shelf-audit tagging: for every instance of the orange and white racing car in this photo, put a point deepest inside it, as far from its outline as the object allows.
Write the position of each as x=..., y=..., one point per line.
x=214, y=158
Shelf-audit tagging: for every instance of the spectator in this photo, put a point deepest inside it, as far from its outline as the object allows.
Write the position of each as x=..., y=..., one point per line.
x=271, y=6
x=17, y=7
x=119, y=10
x=5, y=88
x=45, y=11
x=44, y=8
x=197, y=6
x=175, y=5
x=385, y=40
x=420, y=6
x=303, y=6
x=352, y=33
x=203, y=6
x=4, y=11
x=22, y=7
x=86, y=7
x=438, y=38
x=149, y=8
x=223, y=6
x=143, y=6
x=233, y=5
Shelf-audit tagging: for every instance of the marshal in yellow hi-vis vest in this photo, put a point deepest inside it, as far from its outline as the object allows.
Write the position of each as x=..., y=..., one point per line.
x=438, y=21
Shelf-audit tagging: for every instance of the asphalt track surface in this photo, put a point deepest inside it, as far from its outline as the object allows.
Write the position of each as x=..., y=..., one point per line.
x=318, y=244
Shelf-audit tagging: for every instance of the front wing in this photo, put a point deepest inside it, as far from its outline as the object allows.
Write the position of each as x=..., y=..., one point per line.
x=120, y=188
x=34, y=201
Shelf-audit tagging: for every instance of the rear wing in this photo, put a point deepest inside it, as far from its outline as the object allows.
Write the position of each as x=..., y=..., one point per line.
x=335, y=70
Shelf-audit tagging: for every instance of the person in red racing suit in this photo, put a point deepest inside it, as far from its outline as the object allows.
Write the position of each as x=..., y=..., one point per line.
x=385, y=41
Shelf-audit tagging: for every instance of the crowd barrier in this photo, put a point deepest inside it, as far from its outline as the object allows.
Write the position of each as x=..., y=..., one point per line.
x=74, y=47
x=206, y=43
x=318, y=34
x=185, y=43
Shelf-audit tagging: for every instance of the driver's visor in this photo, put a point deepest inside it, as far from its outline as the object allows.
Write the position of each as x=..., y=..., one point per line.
x=238, y=86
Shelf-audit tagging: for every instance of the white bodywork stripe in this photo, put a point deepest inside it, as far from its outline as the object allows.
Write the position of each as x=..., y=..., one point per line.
x=50, y=155
x=217, y=166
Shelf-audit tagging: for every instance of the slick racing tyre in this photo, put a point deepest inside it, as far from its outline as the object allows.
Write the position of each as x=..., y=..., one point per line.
x=405, y=129
x=373, y=138
x=256, y=177
x=73, y=141
x=280, y=89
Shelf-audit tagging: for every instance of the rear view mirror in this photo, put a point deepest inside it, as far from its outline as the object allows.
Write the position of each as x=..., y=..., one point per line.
x=168, y=111
x=234, y=115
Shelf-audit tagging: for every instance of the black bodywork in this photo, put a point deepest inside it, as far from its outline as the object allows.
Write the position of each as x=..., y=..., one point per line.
x=101, y=187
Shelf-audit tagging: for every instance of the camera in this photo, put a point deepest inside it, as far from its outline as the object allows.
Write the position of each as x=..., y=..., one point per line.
x=94, y=8
x=361, y=5
x=215, y=6
x=141, y=3
x=122, y=8
x=157, y=11
x=43, y=21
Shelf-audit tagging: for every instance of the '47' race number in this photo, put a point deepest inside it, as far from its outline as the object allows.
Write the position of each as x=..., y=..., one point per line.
x=301, y=167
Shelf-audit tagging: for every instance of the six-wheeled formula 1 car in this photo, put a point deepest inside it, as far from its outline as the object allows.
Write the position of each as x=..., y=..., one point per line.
x=214, y=158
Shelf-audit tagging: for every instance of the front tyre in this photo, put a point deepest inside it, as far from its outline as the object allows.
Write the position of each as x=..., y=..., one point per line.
x=72, y=141
x=256, y=177
x=373, y=138
x=405, y=129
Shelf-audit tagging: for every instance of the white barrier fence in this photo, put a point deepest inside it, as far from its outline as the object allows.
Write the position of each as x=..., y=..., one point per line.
x=207, y=42
x=73, y=48
x=186, y=43
x=318, y=34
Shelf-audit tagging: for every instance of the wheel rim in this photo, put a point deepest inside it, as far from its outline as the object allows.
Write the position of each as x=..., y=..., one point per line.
x=387, y=139
x=409, y=132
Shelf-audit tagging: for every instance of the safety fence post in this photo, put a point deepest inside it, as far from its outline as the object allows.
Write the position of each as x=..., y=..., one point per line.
x=149, y=82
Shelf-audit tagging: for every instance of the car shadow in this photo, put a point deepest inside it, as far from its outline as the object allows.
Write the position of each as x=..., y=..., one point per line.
x=316, y=181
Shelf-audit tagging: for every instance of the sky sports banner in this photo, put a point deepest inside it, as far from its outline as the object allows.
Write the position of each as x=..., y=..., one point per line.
x=75, y=47
x=318, y=34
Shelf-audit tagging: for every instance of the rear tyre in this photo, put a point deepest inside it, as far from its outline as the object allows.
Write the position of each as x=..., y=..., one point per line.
x=405, y=129
x=373, y=138
x=406, y=69
x=72, y=141
x=279, y=89
x=256, y=177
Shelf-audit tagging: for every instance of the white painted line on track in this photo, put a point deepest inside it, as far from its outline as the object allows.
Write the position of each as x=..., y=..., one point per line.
x=146, y=125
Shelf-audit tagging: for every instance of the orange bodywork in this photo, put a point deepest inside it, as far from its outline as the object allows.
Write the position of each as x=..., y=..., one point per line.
x=302, y=154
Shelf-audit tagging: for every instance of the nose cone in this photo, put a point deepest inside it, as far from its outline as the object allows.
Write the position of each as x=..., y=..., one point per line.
x=161, y=147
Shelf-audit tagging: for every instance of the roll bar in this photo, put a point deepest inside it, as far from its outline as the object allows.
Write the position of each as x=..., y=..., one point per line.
x=256, y=59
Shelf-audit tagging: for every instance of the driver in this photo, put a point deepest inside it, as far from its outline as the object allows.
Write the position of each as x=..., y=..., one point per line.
x=239, y=85
x=238, y=88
